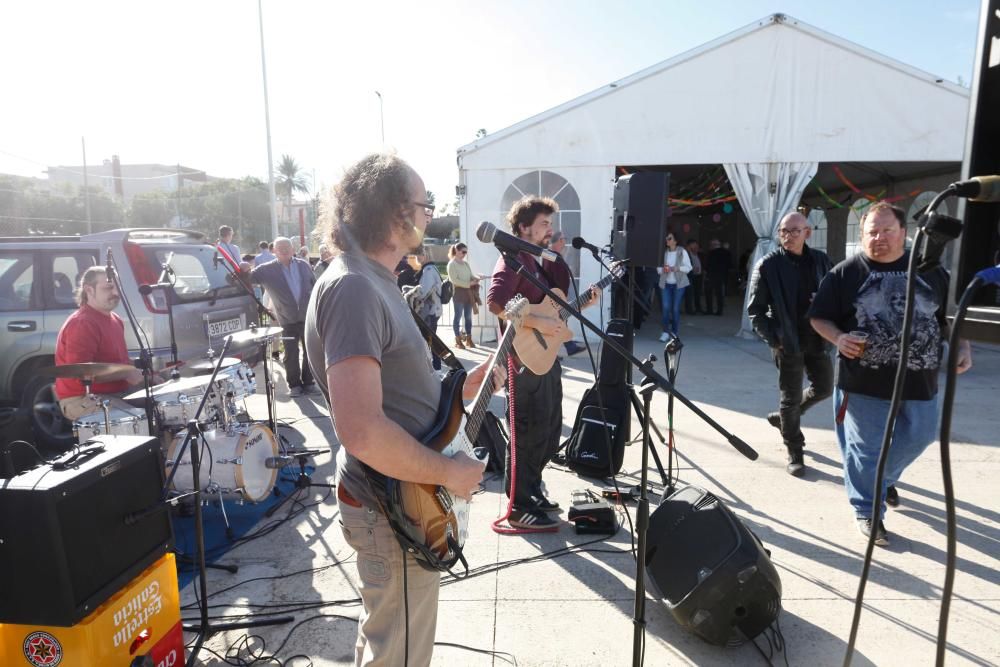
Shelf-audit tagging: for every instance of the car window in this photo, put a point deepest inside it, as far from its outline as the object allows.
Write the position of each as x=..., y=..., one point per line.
x=17, y=279
x=194, y=273
x=67, y=269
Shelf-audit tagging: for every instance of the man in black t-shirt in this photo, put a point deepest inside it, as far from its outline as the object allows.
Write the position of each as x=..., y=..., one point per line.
x=782, y=288
x=859, y=308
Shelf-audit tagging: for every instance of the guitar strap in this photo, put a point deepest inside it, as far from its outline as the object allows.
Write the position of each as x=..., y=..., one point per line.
x=438, y=346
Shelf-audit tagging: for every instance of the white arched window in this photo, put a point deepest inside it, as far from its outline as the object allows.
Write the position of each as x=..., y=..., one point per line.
x=858, y=209
x=817, y=220
x=567, y=220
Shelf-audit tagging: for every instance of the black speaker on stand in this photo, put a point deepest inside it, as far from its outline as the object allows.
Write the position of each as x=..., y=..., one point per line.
x=639, y=232
x=713, y=574
x=979, y=246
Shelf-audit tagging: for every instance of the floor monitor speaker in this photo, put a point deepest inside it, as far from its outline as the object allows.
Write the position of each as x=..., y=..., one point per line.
x=712, y=573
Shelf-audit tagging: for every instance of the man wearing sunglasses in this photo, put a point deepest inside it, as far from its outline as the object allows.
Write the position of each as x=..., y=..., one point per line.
x=781, y=290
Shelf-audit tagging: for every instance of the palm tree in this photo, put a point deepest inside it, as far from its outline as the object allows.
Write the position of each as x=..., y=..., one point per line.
x=289, y=181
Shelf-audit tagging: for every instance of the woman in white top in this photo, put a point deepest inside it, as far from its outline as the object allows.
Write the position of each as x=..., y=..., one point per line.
x=673, y=281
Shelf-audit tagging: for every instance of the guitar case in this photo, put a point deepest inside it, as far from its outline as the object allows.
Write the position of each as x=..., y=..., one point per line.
x=602, y=428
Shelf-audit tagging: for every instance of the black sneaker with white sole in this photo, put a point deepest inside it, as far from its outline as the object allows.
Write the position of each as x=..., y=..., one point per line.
x=540, y=503
x=526, y=520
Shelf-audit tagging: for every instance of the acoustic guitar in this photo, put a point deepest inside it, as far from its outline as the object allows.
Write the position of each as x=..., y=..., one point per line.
x=537, y=351
x=430, y=522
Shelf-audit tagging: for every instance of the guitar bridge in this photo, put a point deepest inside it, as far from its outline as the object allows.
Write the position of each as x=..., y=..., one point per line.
x=541, y=339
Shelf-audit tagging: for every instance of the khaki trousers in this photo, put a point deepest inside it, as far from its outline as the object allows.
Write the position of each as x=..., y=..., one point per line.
x=382, y=626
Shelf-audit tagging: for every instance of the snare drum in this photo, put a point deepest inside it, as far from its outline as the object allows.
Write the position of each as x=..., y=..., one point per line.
x=236, y=382
x=120, y=421
x=234, y=462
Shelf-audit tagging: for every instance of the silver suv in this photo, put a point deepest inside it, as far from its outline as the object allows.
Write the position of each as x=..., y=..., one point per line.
x=37, y=280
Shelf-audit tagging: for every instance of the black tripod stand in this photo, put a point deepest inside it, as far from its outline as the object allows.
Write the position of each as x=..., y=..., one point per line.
x=204, y=629
x=653, y=379
x=303, y=481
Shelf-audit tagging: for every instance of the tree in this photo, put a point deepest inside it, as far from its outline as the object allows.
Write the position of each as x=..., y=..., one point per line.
x=290, y=180
x=430, y=197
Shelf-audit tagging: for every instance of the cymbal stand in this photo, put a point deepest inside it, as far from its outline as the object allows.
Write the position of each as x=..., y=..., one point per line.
x=204, y=628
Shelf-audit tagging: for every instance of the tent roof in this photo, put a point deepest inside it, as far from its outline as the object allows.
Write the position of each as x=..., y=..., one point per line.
x=775, y=90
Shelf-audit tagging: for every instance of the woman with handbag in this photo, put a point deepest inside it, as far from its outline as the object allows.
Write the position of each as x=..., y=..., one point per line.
x=462, y=277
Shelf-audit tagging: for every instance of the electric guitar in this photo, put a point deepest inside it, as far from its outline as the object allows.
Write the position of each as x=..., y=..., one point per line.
x=537, y=351
x=430, y=522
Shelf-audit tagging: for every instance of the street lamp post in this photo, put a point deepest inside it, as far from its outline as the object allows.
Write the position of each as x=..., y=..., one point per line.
x=267, y=125
x=381, y=117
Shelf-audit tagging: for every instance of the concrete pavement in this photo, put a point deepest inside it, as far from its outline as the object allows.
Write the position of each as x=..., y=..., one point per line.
x=576, y=609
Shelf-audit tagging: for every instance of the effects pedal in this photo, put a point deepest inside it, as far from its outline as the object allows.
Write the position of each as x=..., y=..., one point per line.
x=592, y=515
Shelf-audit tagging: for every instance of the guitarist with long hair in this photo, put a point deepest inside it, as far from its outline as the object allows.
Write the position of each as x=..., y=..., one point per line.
x=375, y=369
x=538, y=398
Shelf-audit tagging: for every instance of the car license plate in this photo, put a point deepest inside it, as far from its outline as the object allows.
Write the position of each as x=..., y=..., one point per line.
x=224, y=327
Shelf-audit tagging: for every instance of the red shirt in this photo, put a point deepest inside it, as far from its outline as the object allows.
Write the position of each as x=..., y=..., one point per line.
x=90, y=335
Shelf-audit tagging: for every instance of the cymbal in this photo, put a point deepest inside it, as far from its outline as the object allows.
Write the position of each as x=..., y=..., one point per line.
x=253, y=335
x=171, y=386
x=94, y=370
x=209, y=364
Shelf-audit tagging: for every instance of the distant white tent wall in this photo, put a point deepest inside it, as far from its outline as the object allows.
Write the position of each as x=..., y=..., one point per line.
x=767, y=191
x=777, y=92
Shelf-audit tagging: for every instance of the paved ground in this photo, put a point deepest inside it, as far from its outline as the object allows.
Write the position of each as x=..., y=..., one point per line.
x=576, y=609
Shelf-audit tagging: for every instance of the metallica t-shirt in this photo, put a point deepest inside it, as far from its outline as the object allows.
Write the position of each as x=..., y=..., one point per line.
x=860, y=294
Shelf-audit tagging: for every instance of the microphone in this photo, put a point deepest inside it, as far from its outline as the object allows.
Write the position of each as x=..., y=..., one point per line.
x=110, y=268
x=578, y=243
x=487, y=232
x=146, y=290
x=939, y=230
x=277, y=462
x=979, y=188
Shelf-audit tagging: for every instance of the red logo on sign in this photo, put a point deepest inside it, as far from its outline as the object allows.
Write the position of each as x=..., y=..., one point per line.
x=42, y=649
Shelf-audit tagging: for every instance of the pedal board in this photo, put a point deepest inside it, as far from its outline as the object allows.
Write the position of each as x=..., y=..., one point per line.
x=592, y=515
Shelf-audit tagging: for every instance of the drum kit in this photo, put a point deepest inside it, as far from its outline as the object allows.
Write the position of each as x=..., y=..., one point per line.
x=242, y=456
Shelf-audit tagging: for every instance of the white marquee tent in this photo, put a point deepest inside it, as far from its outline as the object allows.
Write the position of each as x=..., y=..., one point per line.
x=769, y=102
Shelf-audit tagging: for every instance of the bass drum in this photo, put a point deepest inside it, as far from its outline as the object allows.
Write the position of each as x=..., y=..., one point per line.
x=233, y=462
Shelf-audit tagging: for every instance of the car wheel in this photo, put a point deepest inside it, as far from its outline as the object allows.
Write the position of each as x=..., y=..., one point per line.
x=52, y=430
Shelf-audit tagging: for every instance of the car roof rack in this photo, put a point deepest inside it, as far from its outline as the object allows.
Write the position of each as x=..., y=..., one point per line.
x=149, y=234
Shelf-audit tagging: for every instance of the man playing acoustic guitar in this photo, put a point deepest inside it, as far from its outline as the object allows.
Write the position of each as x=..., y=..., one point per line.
x=374, y=365
x=537, y=397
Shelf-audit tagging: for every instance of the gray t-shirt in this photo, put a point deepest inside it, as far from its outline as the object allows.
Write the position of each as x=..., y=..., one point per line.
x=356, y=310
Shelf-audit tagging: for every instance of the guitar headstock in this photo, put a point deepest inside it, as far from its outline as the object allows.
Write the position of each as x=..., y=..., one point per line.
x=618, y=267
x=515, y=310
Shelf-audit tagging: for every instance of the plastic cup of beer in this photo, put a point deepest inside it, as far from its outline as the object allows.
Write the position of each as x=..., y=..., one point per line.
x=861, y=338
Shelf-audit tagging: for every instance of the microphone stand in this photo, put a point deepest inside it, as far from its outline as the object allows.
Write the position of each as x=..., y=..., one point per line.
x=204, y=628
x=145, y=350
x=265, y=345
x=163, y=280
x=653, y=379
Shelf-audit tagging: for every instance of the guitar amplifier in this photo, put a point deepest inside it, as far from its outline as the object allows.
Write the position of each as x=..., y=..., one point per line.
x=72, y=534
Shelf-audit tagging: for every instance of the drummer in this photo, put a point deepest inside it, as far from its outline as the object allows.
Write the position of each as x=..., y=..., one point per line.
x=93, y=334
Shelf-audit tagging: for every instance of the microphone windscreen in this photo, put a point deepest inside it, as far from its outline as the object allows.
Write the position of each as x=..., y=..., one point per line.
x=486, y=231
x=578, y=242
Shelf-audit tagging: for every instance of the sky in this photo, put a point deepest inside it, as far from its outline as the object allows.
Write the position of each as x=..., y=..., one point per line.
x=180, y=81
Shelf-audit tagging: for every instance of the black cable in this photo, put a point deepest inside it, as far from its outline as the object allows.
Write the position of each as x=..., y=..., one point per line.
x=496, y=654
x=945, y=440
x=27, y=444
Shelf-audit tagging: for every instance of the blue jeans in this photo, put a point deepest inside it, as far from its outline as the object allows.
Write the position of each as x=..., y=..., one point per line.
x=860, y=425
x=672, y=298
x=462, y=309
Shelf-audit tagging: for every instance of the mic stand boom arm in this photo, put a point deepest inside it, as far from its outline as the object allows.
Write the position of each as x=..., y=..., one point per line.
x=645, y=366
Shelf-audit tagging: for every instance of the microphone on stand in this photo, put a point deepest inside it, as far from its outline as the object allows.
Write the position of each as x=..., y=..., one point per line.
x=487, y=232
x=579, y=242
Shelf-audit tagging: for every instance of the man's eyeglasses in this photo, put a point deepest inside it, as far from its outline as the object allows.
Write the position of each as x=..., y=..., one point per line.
x=428, y=208
x=791, y=232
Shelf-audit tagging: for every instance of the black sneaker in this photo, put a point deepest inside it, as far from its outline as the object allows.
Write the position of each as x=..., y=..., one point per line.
x=542, y=504
x=865, y=527
x=892, y=496
x=534, y=521
x=796, y=463
x=774, y=419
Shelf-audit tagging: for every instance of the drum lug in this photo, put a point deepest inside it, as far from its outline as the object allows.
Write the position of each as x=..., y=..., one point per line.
x=237, y=461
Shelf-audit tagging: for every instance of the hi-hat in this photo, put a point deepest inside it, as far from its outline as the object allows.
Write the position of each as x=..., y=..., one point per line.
x=254, y=335
x=94, y=370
